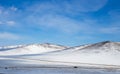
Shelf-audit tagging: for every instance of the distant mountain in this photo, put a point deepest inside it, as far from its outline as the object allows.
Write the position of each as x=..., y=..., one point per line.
x=30, y=49
x=105, y=46
x=104, y=53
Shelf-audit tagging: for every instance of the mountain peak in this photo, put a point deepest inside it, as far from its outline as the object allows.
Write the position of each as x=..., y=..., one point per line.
x=106, y=41
x=100, y=46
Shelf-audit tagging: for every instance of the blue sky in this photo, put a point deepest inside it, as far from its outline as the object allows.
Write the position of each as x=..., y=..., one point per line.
x=65, y=22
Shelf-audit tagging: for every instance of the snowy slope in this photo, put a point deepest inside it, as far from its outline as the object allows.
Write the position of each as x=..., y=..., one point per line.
x=103, y=53
x=29, y=49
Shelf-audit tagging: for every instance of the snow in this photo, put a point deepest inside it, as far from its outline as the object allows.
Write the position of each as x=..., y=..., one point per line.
x=30, y=49
x=57, y=71
x=56, y=59
x=104, y=53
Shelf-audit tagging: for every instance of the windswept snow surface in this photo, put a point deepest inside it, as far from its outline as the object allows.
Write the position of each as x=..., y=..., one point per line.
x=102, y=55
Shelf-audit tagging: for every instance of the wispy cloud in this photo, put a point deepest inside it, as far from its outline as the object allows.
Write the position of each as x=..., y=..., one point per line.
x=8, y=16
x=71, y=7
x=13, y=8
x=8, y=23
x=111, y=30
x=56, y=20
x=80, y=5
x=52, y=15
x=7, y=36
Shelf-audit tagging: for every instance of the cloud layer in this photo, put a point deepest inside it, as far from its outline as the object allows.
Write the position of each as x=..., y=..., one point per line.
x=78, y=19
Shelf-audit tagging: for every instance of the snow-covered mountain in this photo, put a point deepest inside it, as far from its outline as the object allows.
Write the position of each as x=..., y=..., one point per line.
x=102, y=54
x=105, y=46
x=30, y=49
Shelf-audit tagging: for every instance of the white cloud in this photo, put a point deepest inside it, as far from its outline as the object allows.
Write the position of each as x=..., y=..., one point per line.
x=80, y=5
x=71, y=7
x=10, y=23
x=8, y=16
x=110, y=30
x=7, y=36
x=53, y=15
x=13, y=8
x=60, y=23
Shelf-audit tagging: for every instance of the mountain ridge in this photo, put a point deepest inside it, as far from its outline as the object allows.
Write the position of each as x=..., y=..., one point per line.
x=98, y=53
x=30, y=49
x=105, y=46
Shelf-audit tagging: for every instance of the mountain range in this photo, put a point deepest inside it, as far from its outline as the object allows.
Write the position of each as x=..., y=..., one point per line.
x=102, y=54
